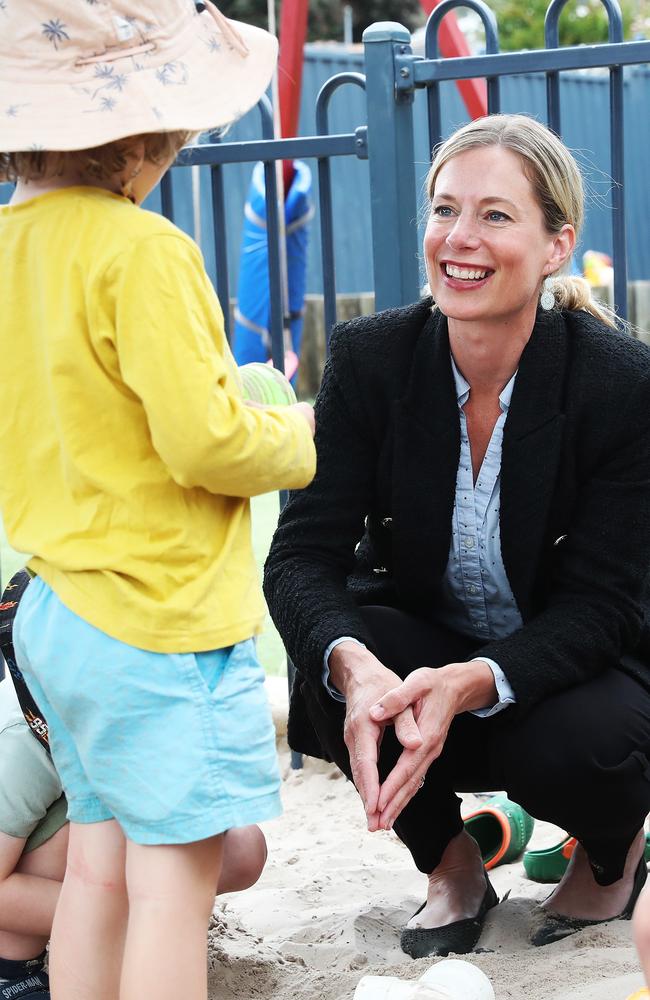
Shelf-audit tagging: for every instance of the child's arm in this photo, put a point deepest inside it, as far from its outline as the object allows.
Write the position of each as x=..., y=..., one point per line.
x=173, y=355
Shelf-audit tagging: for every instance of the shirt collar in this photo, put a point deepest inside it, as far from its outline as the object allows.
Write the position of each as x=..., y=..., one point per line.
x=463, y=388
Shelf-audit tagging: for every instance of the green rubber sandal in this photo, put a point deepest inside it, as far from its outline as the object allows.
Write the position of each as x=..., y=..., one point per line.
x=501, y=828
x=550, y=864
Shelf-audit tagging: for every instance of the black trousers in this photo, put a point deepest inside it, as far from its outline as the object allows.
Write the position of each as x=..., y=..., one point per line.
x=580, y=759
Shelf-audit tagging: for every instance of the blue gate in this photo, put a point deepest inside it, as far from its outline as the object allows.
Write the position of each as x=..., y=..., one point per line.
x=392, y=74
x=322, y=147
x=390, y=122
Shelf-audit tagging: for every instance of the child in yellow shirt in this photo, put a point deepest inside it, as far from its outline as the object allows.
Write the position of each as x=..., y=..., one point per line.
x=130, y=437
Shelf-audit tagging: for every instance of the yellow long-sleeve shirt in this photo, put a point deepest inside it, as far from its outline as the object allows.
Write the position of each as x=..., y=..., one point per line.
x=127, y=455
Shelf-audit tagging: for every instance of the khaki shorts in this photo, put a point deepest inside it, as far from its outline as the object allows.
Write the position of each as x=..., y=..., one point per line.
x=32, y=804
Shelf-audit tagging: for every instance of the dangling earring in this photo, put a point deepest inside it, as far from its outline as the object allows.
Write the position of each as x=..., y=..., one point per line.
x=547, y=298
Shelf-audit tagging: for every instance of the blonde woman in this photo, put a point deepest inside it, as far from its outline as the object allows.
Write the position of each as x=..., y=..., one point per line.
x=463, y=586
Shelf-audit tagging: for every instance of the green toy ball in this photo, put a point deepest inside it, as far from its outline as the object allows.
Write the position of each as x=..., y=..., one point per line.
x=263, y=384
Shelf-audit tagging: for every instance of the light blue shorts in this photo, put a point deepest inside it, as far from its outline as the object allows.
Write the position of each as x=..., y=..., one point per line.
x=176, y=747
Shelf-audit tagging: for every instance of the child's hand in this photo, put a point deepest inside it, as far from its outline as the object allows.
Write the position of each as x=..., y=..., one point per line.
x=307, y=412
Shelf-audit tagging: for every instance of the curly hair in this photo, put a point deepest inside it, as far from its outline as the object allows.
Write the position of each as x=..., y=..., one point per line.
x=98, y=163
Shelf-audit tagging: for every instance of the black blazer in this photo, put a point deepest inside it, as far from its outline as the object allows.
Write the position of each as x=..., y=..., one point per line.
x=374, y=526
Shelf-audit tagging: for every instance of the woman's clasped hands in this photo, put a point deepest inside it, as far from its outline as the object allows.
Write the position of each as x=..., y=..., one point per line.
x=420, y=709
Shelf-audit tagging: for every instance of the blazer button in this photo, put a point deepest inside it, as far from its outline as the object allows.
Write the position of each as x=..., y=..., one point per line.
x=386, y=522
x=559, y=540
x=380, y=569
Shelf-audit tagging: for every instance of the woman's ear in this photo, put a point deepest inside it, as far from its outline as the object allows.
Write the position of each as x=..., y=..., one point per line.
x=563, y=244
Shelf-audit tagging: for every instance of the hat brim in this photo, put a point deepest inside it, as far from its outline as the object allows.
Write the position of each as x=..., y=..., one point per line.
x=198, y=83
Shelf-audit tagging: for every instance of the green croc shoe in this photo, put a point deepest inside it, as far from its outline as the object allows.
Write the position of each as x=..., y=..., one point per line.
x=501, y=829
x=550, y=864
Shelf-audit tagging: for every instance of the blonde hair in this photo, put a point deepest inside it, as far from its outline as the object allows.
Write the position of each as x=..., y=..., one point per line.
x=556, y=181
x=99, y=163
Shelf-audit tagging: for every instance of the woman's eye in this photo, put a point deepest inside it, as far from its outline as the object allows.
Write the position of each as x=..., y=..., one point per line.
x=497, y=216
x=442, y=211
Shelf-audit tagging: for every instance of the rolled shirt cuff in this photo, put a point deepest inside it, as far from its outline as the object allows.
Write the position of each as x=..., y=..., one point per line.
x=331, y=690
x=505, y=694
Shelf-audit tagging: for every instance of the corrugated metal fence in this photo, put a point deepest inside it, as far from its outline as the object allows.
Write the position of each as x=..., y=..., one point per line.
x=585, y=127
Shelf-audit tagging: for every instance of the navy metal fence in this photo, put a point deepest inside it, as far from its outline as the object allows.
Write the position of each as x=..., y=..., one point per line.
x=411, y=72
x=398, y=157
x=584, y=103
x=322, y=147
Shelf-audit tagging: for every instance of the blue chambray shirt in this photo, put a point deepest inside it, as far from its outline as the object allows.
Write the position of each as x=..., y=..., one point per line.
x=476, y=598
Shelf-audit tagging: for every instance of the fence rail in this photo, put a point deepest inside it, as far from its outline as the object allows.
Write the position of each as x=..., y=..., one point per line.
x=392, y=286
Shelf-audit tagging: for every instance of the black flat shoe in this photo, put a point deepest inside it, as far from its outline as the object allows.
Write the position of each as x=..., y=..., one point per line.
x=460, y=937
x=556, y=927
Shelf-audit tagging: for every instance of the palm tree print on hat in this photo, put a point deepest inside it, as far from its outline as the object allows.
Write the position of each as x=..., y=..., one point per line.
x=110, y=79
x=55, y=32
x=105, y=104
x=173, y=74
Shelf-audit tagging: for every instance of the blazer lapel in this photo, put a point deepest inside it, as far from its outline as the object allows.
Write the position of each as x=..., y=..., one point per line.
x=426, y=450
x=532, y=445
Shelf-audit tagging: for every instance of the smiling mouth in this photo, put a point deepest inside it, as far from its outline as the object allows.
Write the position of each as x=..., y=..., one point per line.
x=466, y=273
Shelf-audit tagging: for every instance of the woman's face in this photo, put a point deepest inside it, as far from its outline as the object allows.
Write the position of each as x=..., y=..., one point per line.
x=486, y=247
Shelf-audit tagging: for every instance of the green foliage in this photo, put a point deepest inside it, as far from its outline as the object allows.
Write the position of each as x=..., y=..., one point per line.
x=521, y=26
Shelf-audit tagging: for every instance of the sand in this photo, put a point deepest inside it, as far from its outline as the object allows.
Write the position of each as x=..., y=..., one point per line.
x=333, y=898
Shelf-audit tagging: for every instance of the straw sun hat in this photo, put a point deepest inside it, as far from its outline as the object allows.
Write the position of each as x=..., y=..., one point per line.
x=79, y=73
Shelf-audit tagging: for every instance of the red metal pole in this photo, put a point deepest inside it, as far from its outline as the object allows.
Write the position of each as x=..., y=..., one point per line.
x=293, y=33
x=453, y=43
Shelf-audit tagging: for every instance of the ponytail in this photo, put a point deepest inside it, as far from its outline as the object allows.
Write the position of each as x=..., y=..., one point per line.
x=573, y=292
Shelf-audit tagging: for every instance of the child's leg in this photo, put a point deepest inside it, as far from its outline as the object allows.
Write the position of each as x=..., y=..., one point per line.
x=90, y=922
x=171, y=892
x=244, y=857
x=29, y=888
x=641, y=925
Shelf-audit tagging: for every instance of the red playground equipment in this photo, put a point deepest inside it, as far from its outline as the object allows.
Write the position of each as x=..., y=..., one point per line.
x=293, y=33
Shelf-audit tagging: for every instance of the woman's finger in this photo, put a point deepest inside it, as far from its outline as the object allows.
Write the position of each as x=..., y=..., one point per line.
x=363, y=744
x=404, y=781
x=406, y=730
x=401, y=697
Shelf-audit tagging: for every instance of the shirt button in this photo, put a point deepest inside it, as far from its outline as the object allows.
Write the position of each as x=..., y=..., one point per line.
x=468, y=542
x=472, y=589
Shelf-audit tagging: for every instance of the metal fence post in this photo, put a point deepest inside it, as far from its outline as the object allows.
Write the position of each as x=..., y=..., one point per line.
x=393, y=204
